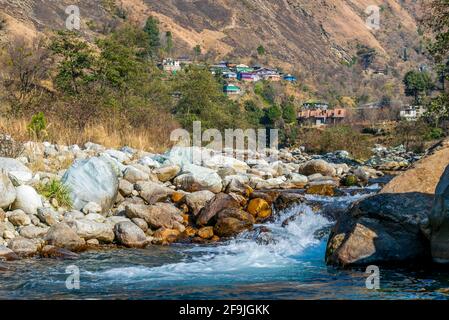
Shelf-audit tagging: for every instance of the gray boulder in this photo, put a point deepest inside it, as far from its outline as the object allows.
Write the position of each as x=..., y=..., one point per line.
x=317, y=166
x=130, y=235
x=23, y=247
x=88, y=229
x=439, y=220
x=61, y=235
x=153, y=192
x=382, y=229
x=92, y=180
x=157, y=216
x=196, y=178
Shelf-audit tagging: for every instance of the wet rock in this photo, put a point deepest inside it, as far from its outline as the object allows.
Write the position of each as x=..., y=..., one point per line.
x=88, y=229
x=317, y=166
x=7, y=191
x=54, y=252
x=92, y=180
x=27, y=200
x=206, y=232
x=130, y=235
x=322, y=190
x=230, y=227
x=153, y=192
x=259, y=208
x=165, y=236
x=7, y=254
x=439, y=220
x=213, y=206
x=61, y=235
x=197, y=200
x=23, y=247
x=286, y=200
x=382, y=229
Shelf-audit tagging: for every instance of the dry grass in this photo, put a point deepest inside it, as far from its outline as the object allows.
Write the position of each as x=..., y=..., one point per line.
x=109, y=133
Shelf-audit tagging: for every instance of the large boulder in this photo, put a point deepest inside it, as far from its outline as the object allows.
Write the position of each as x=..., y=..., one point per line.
x=317, y=166
x=167, y=173
x=7, y=254
x=157, y=216
x=130, y=235
x=221, y=161
x=232, y=221
x=18, y=218
x=382, y=229
x=16, y=170
x=88, y=229
x=61, y=235
x=23, y=247
x=424, y=175
x=27, y=200
x=439, y=220
x=215, y=205
x=196, y=178
x=92, y=180
x=7, y=191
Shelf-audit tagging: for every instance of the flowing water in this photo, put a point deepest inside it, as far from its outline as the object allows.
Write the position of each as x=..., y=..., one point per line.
x=287, y=263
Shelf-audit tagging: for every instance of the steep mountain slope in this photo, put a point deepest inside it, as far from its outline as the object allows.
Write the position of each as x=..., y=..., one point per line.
x=315, y=38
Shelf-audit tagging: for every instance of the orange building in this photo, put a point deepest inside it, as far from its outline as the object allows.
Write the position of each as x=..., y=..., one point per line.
x=318, y=117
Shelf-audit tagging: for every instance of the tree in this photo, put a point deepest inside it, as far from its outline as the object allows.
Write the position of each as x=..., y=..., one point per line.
x=154, y=42
x=261, y=50
x=289, y=113
x=202, y=99
x=24, y=67
x=169, y=42
x=76, y=61
x=196, y=51
x=417, y=83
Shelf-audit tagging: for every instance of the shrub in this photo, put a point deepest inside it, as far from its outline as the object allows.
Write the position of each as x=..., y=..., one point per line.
x=56, y=190
x=38, y=125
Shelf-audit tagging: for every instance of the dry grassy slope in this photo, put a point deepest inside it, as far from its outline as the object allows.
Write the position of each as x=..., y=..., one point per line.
x=309, y=35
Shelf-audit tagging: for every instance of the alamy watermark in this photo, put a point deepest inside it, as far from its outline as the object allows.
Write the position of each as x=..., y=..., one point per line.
x=73, y=21
x=73, y=280
x=373, y=280
x=240, y=144
x=373, y=20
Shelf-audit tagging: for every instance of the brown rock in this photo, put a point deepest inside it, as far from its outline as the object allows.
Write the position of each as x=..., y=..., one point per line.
x=423, y=176
x=58, y=253
x=259, y=208
x=157, y=216
x=61, y=235
x=215, y=205
x=206, y=232
x=229, y=227
x=165, y=236
x=322, y=190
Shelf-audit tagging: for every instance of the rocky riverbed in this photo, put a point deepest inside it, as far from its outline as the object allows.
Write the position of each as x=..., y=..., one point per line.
x=134, y=199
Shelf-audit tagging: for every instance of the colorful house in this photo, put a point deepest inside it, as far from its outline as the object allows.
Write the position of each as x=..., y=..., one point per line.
x=243, y=68
x=230, y=75
x=231, y=89
x=290, y=78
x=171, y=65
x=316, y=105
x=248, y=77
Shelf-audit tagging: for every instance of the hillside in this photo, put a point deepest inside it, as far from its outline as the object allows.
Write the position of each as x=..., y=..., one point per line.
x=317, y=40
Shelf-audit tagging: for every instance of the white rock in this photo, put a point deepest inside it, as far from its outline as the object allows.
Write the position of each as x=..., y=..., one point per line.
x=27, y=200
x=7, y=191
x=17, y=171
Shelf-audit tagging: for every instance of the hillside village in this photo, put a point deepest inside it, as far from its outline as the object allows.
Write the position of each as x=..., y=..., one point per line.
x=312, y=113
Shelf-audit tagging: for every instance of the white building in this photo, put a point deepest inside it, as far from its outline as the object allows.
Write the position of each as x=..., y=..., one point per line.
x=412, y=113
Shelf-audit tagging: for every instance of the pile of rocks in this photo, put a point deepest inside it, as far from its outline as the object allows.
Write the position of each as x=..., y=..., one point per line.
x=133, y=198
x=392, y=159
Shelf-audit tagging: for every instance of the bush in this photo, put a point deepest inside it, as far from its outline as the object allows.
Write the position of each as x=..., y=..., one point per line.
x=38, y=126
x=56, y=190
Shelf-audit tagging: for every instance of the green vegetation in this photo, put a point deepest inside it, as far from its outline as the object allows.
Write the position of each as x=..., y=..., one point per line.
x=261, y=50
x=154, y=42
x=417, y=84
x=54, y=189
x=38, y=126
